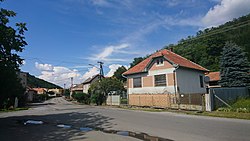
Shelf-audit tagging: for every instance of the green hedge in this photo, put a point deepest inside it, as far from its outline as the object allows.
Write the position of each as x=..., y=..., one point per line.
x=81, y=97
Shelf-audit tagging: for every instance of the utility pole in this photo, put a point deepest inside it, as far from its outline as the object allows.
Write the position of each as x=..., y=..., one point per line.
x=101, y=70
x=71, y=92
x=71, y=78
x=64, y=90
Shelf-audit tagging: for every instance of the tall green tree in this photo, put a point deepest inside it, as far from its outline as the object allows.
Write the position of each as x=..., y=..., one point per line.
x=118, y=73
x=235, y=68
x=99, y=90
x=11, y=43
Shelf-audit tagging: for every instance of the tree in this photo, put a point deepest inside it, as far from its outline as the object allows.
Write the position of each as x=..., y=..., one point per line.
x=118, y=73
x=235, y=68
x=11, y=42
x=99, y=90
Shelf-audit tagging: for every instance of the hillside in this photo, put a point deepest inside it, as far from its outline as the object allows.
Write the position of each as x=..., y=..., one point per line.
x=205, y=47
x=34, y=82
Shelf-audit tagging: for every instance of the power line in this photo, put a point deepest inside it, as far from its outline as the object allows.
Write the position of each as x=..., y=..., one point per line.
x=217, y=32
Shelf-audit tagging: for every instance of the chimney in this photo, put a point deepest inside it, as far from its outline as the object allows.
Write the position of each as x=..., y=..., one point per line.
x=171, y=49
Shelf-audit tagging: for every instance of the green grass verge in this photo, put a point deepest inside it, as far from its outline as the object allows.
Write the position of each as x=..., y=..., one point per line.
x=242, y=103
x=12, y=110
x=226, y=114
x=237, y=115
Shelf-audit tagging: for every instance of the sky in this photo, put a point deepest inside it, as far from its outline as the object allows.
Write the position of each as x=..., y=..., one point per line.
x=65, y=36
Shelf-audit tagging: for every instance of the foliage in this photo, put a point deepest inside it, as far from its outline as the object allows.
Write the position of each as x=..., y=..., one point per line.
x=242, y=103
x=234, y=66
x=118, y=73
x=81, y=97
x=41, y=97
x=11, y=43
x=34, y=82
x=99, y=90
x=205, y=48
x=124, y=101
x=67, y=92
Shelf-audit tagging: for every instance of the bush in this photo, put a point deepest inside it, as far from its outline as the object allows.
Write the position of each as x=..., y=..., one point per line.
x=41, y=97
x=81, y=97
x=99, y=90
x=240, y=106
x=97, y=98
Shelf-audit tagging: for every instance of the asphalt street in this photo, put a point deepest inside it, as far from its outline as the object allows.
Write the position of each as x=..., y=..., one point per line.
x=116, y=124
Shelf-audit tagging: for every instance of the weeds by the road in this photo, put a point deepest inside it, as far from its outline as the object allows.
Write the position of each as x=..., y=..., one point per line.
x=231, y=114
x=12, y=110
x=143, y=109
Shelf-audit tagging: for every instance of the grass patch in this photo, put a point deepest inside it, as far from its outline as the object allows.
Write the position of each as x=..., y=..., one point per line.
x=147, y=109
x=227, y=114
x=124, y=101
x=12, y=110
x=238, y=115
x=242, y=103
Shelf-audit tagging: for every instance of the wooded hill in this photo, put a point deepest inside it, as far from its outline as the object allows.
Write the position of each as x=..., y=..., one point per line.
x=34, y=82
x=206, y=46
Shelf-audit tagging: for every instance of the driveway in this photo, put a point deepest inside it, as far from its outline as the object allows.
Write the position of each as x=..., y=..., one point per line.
x=116, y=124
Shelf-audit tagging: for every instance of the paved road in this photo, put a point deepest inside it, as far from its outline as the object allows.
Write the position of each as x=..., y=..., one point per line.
x=166, y=125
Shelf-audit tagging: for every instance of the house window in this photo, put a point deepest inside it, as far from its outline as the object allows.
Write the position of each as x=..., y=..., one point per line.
x=159, y=62
x=160, y=80
x=201, y=81
x=137, y=82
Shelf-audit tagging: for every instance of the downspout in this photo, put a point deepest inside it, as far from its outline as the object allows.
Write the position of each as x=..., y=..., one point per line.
x=176, y=66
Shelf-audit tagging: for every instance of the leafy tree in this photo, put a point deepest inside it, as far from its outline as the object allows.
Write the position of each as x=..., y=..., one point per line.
x=235, y=67
x=118, y=73
x=205, y=48
x=99, y=90
x=136, y=61
x=81, y=97
x=11, y=42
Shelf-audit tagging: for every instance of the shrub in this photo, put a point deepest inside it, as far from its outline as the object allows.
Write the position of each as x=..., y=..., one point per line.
x=81, y=97
x=99, y=90
x=41, y=97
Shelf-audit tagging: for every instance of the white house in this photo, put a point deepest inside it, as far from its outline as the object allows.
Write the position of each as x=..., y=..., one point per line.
x=163, y=75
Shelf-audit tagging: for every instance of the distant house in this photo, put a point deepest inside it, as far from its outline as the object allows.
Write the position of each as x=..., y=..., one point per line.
x=57, y=92
x=78, y=88
x=41, y=90
x=164, y=77
x=30, y=94
x=84, y=87
x=89, y=81
x=23, y=78
x=214, y=79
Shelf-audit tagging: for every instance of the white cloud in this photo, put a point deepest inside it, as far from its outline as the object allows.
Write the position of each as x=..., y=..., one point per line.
x=112, y=70
x=226, y=11
x=62, y=75
x=23, y=62
x=46, y=67
x=57, y=74
x=91, y=72
x=109, y=51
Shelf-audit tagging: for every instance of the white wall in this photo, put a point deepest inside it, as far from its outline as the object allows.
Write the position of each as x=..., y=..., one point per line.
x=152, y=90
x=86, y=88
x=188, y=81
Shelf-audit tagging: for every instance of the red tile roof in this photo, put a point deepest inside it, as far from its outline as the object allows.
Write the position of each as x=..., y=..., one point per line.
x=171, y=56
x=214, y=76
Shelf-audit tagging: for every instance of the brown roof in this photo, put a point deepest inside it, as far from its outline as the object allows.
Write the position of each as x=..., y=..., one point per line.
x=214, y=76
x=90, y=79
x=170, y=56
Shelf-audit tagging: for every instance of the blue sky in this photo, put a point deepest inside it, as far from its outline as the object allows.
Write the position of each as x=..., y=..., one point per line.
x=64, y=36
